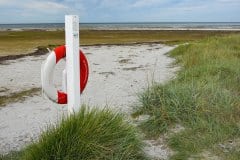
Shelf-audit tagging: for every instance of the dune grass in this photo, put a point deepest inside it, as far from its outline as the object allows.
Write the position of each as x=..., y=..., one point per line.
x=23, y=42
x=90, y=134
x=204, y=98
x=15, y=155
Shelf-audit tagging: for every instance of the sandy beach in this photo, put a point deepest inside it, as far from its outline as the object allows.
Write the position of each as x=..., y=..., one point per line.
x=117, y=75
x=163, y=80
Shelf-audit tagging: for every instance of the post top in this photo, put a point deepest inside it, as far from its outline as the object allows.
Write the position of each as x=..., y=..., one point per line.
x=73, y=16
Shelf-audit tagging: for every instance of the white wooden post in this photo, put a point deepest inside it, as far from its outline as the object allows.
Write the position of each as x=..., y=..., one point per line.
x=72, y=62
x=64, y=81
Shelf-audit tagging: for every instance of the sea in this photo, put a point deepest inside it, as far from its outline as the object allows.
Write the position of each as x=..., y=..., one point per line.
x=130, y=26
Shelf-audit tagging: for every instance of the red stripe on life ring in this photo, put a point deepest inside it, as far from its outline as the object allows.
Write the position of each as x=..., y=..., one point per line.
x=62, y=97
x=84, y=71
x=60, y=53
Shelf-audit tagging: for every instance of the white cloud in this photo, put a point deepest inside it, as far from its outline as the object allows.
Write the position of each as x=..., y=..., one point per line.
x=144, y=3
x=45, y=5
x=229, y=1
x=117, y=10
x=112, y=3
x=4, y=2
x=35, y=5
x=8, y=3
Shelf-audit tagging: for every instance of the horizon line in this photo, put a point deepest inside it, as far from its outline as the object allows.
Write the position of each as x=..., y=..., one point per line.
x=124, y=22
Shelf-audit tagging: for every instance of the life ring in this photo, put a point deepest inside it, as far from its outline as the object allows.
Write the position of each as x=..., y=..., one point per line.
x=55, y=56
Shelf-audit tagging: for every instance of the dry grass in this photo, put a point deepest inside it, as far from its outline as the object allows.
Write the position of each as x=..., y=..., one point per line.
x=23, y=42
x=18, y=96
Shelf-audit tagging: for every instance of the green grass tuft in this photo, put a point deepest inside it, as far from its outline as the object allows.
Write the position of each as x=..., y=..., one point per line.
x=204, y=98
x=90, y=134
x=14, y=155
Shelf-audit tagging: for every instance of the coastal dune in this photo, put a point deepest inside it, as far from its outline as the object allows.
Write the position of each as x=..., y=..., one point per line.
x=117, y=75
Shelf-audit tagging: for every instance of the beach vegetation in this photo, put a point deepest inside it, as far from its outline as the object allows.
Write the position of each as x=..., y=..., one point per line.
x=27, y=41
x=89, y=134
x=204, y=99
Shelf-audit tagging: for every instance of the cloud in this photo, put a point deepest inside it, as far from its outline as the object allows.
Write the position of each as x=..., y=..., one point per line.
x=4, y=2
x=33, y=5
x=229, y=1
x=119, y=10
x=45, y=6
x=144, y=3
x=112, y=4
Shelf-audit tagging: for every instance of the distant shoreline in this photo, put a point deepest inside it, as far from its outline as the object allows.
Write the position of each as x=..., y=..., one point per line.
x=168, y=26
x=128, y=29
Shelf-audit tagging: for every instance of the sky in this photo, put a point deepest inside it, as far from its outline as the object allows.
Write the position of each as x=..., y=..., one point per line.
x=53, y=11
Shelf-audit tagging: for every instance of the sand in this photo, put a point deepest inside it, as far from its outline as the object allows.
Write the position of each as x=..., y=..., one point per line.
x=117, y=75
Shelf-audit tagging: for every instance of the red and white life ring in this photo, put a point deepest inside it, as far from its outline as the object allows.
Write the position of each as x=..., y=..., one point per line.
x=52, y=93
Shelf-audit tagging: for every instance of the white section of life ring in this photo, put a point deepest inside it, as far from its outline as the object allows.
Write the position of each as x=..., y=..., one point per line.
x=47, y=77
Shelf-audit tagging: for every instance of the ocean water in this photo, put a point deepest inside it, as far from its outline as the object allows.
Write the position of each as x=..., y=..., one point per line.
x=131, y=26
